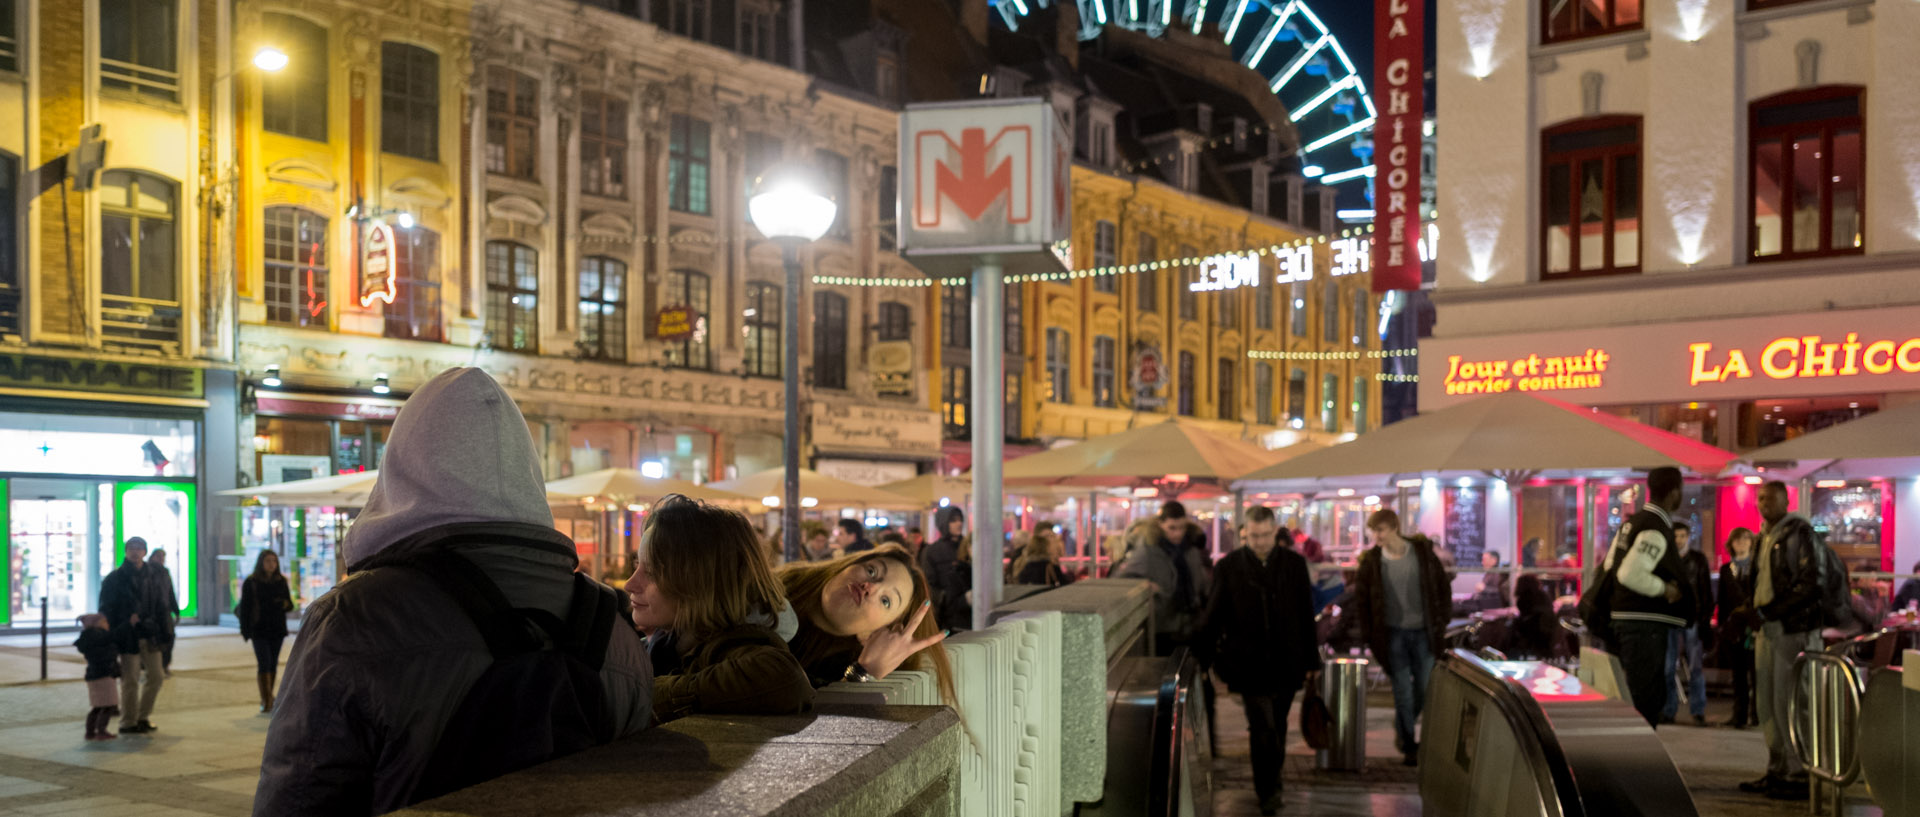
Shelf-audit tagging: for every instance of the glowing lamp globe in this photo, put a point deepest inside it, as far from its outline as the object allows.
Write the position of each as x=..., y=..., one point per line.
x=787, y=204
x=270, y=59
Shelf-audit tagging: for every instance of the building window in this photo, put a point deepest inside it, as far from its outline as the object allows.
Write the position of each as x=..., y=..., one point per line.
x=1223, y=384
x=295, y=245
x=1297, y=300
x=886, y=77
x=1189, y=303
x=829, y=340
x=293, y=100
x=689, y=151
x=763, y=151
x=1330, y=313
x=10, y=322
x=513, y=295
x=692, y=19
x=513, y=122
x=603, y=308
x=9, y=38
x=1359, y=405
x=1329, y=399
x=956, y=316
x=139, y=260
x=693, y=290
x=1362, y=310
x=1186, y=384
x=1262, y=303
x=1263, y=393
x=764, y=355
x=956, y=399
x=1100, y=143
x=896, y=321
x=1010, y=420
x=140, y=47
x=409, y=101
x=1059, y=366
x=1105, y=365
x=833, y=173
x=1574, y=19
x=1297, y=398
x=1106, y=253
x=1591, y=171
x=1226, y=308
x=887, y=207
x=603, y=146
x=415, y=311
x=1808, y=174
x=759, y=33
x=1146, y=282
x=1015, y=321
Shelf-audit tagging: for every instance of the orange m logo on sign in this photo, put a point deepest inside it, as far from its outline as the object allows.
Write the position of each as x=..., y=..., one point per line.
x=987, y=170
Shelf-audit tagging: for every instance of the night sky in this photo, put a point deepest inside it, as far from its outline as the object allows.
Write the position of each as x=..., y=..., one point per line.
x=1352, y=22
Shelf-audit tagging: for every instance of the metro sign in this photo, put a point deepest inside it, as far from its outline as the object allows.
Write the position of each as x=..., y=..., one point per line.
x=988, y=175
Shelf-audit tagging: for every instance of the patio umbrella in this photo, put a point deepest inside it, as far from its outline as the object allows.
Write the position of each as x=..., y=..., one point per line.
x=1882, y=444
x=929, y=489
x=824, y=490
x=343, y=490
x=627, y=484
x=1514, y=432
x=1175, y=446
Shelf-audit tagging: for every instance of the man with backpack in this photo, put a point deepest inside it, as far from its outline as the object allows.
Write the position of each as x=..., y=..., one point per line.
x=1647, y=595
x=1790, y=577
x=462, y=645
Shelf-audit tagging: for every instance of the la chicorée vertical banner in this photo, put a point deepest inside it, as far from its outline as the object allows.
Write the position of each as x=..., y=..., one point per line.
x=1399, y=85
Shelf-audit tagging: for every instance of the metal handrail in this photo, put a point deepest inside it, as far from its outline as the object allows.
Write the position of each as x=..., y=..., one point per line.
x=1852, y=688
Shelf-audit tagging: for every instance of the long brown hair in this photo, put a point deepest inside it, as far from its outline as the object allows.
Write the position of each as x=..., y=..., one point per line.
x=260, y=564
x=709, y=561
x=806, y=581
x=1043, y=546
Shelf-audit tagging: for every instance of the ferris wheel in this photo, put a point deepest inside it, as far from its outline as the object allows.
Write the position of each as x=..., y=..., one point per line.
x=1282, y=40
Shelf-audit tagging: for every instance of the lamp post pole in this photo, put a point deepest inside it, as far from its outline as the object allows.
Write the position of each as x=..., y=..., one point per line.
x=790, y=352
x=989, y=406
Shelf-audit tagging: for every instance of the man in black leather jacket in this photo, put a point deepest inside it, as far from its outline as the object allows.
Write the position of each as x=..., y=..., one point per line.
x=1786, y=591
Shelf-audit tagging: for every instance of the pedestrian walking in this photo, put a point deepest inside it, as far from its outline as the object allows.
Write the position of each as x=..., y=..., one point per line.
x=939, y=562
x=1690, y=643
x=1735, y=627
x=265, y=601
x=1400, y=600
x=862, y=616
x=463, y=645
x=127, y=600
x=849, y=536
x=1788, y=571
x=1258, y=635
x=1651, y=597
x=166, y=608
x=1180, y=529
x=103, y=665
x=1176, y=604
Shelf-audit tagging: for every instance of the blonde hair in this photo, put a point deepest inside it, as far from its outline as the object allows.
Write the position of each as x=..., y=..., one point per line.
x=1043, y=545
x=709, y=561
x=804, y=582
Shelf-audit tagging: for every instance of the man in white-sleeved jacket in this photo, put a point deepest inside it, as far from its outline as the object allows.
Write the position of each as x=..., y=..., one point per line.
x=1650, y=600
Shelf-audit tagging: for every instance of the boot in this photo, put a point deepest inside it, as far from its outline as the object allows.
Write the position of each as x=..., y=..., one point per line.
x=93, y=732
x=265, y=682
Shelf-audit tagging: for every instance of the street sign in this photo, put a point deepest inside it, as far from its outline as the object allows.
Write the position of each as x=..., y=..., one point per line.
x=89, y=157
x=993, y=175
x=1149, y=374
x=675, y=323
x=378, y=265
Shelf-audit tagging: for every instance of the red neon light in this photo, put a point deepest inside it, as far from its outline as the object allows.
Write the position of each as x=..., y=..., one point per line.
x=315, y=306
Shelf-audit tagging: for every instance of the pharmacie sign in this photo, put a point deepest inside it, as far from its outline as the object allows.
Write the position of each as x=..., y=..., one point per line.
x=89, y=375
x=1804, y=355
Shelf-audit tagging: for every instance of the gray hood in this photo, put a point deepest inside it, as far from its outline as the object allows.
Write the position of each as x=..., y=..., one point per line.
x=459, y=452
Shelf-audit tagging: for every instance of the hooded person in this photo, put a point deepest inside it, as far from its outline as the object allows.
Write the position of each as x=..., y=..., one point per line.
x=940, y=561
x=377, y=709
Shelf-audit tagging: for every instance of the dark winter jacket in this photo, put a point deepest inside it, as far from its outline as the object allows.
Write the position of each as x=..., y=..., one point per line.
x=384, y=660
x=123, y=594
x=1909, y=593
x=264, y=605
x=746, y=670
x=103, y=658
x=1735, y=605
x=1646, y=565
x=1368, y=599
x=1698, y=573
x=1174, y=571
x=162, y=606
x=1258, y=632
x=1042, y=572
x=940, y=562
x=1796, y=572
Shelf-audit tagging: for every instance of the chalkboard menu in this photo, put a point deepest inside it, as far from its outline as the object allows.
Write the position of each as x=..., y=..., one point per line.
x=1466, y=521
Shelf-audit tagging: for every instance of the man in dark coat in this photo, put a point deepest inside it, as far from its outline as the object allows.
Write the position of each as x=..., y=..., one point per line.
x=128, y=600
x=1651, y=597
x=1258, y=634
x=940, y=561
x=1400, y=601
x=850, y=537
x=1788, y=571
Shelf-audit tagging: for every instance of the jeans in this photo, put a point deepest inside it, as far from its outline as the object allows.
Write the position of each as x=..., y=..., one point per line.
x=1687, y=639
x=1740, y=658
x=136, y=698
x=1267, y=737
x=1409, y=665
x=1643, y=656
x=266, y=653
x=1773, y=658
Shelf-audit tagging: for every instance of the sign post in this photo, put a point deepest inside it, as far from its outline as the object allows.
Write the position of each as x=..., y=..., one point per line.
x=1399, y=60
x=985, y=190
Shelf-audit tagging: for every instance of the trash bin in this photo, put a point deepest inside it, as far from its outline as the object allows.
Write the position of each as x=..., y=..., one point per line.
x=1343, y=683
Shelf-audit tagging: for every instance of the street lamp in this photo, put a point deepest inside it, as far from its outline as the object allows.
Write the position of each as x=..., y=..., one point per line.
x=787, y=207
x=269, y=58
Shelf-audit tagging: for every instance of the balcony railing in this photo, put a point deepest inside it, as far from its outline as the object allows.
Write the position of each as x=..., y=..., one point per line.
x=142, y=323
x=140, y=79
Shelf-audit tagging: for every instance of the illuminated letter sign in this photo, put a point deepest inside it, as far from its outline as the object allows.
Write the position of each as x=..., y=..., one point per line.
x=1399, y=27
x=1296, y=264
x=1227, y=272
x=378, y=265
x=1530, y=373
x=1806, y=357
x=1350, y=256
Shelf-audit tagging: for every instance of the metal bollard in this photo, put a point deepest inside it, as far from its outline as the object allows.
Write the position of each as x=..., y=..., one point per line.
x=1823, y=724
x=1343, y=683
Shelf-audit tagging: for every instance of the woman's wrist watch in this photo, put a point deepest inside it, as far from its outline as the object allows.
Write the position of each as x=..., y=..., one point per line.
x=857, y=674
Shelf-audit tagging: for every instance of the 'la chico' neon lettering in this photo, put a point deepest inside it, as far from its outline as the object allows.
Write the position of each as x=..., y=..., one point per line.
x=1807, y=356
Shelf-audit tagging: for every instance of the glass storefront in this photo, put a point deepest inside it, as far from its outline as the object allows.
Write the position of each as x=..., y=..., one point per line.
x=1850, y=514
x=307, y=540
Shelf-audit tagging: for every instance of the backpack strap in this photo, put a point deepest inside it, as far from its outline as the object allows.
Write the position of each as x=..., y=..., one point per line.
x=589, y=625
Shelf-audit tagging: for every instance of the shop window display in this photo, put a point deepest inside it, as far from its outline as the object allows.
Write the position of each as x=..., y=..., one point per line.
x=1765, y=422
x=1849, y=515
